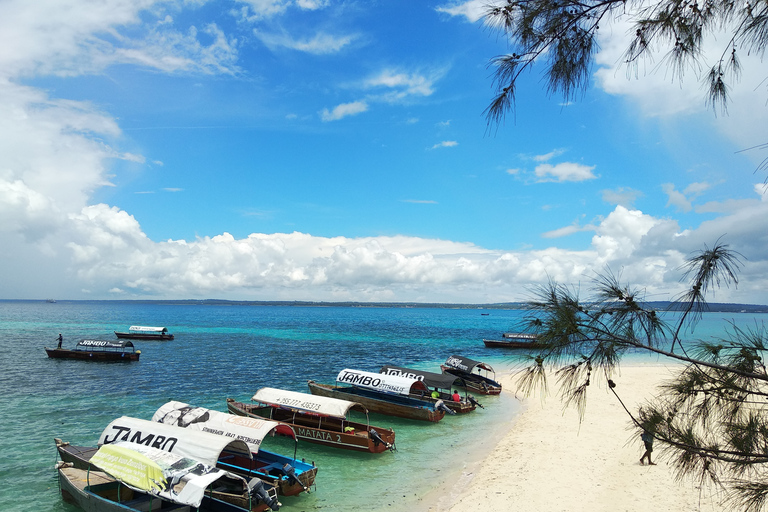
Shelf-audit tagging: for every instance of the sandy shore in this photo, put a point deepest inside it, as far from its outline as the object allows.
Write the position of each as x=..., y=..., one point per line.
x=548, y=462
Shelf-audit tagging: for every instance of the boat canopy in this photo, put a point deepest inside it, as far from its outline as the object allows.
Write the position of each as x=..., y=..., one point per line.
x=381, y=382
x=252, y=431
x=467, y=365
x=431, y=379
x=142, y=328
x=320, y=405
x=88, y=345
x=205, y=447
x=150, y=470
x=527, y=336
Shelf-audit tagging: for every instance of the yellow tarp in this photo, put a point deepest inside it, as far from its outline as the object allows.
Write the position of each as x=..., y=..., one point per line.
x=130, y=467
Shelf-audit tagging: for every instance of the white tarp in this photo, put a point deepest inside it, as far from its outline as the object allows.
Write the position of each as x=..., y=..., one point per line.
x=201, y=446
x=252, y=431
x=164, y=474
x=143, y=328
x=380, y=382
x=303, y=401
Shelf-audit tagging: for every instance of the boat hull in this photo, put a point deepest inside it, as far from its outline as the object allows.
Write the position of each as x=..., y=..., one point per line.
x=308, y=428
x=88, y=355
x=402, y=410
x=512, y=344
x=139, y=336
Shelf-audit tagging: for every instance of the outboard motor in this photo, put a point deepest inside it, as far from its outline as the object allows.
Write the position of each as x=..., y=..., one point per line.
x=258, y=489
x=290, y=472
x=378, y=440
x=440, y=406
x=473, y=401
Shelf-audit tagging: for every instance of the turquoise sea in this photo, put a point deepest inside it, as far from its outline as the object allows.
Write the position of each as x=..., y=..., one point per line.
x=225, y=351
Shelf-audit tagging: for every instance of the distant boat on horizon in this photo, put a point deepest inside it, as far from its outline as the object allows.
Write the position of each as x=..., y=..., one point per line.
x=50, y=301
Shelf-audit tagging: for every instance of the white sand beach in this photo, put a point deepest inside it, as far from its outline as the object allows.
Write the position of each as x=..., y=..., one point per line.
x=548, y=462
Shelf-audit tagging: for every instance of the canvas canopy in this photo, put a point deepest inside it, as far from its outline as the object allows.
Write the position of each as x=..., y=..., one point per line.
x=202, y=446
x=142, y=328
x=381, y=382
x=163, y=474
x=431, y=379
x=252, y=431
x=466, y=364
x=102, y=344
x=322, y=405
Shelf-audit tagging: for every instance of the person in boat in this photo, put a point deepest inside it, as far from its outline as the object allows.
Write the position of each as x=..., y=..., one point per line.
x=60, y=339
x=456, y=397
x=435, y=393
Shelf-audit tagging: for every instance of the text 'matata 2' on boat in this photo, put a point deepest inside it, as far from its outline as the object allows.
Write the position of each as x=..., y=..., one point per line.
x=205, y=447
x=97, y=350
x=143, y=332
x=291, y=476
x=127, y=476
x=440, y=385
x=479, y=382
x=383, y=394
x=317, y=419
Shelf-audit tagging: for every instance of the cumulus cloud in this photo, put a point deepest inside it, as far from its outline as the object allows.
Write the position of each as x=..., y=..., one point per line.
x=343, y=110
x=566, y=171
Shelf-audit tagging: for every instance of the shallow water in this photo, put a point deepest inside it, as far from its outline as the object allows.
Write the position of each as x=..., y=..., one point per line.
x=225, y=351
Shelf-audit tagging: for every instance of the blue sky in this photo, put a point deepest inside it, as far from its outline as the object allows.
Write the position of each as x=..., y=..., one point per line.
x=325, y=150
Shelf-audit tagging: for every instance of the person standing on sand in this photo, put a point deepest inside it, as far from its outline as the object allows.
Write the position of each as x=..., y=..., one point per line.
x=647, y=438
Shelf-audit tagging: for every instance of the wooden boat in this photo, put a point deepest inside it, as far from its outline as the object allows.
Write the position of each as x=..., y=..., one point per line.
x=97, y=350
x=141, y=332
x=317, y=419
x=204, y=447
x=440, y=384
x=290, y=476
x=479, y=382
x=383, y=394
x=521, y=340
x=126, y=476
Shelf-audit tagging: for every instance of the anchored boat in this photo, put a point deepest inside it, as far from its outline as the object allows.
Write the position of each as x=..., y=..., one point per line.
x=97, y=350
x=479, y=382
x=317, y=419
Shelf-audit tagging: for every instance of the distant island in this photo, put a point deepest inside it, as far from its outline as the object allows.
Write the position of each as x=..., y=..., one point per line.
x=713, y=307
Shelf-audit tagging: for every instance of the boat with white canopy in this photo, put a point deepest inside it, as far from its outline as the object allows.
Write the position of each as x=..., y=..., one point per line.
x=143, y=332
x=480, y=382
x=383, y=394
x=291, y=476
x=440, y=384
x=126, y=476
x=317, y=419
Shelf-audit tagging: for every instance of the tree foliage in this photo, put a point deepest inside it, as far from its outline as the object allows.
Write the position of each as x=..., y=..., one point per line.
x=711, y=419
x=563, y=34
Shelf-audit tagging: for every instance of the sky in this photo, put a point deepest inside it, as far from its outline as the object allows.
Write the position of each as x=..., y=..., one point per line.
x=337, y=150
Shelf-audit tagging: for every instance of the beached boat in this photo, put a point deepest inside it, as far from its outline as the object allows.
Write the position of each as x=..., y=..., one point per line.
x=521, y=340
x=127, y=476
x=479, y=382
x=142, y=332
x=205, y=447
x=383, y=394
x=317, y=419
x=290, y=476
x=97, y=350
x=440, y=386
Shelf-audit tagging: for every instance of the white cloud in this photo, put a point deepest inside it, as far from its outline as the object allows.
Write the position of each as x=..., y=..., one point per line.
x=402, y=85
x=548, y=156
x=623, y=196
x=566, y=171
x=445, y=144
x=472, y=10
x=319, y=44
x=343, y=110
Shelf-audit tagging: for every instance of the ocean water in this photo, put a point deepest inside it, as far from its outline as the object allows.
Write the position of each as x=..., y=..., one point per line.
x=225, y=351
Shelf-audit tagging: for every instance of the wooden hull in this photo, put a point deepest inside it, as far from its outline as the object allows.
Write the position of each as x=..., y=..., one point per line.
x=92, y=355
x=475, y=383
x=137, y=336
x=457, y=407
x=268, y=467
x=402, y=407
x=94, y=491
x=512, y=344
x=327, y=431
